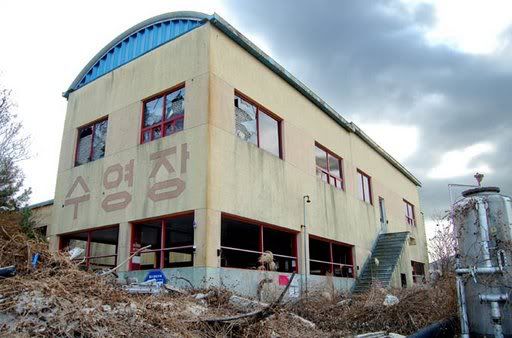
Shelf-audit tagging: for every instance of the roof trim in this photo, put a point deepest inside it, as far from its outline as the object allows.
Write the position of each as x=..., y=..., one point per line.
x=151, y=21
x=279, y=70
x=41, y=204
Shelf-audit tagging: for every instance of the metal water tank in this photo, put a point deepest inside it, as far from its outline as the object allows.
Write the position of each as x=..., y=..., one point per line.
x=483, y=225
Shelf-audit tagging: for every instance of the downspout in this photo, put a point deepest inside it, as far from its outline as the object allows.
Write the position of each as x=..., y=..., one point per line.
x=305, y=199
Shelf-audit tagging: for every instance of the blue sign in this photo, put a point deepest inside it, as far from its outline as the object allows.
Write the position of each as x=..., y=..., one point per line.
x=157, y=275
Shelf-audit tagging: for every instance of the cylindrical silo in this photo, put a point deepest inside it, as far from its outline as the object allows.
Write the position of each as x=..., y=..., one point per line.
x=483, y=223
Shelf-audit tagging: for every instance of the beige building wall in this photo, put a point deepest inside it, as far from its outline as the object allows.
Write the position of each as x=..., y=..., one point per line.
x=249, y=182
x=223, y=173
x=119, y=96
x=42, y=216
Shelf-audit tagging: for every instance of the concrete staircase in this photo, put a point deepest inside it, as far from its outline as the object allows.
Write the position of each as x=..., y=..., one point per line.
x=387, y=250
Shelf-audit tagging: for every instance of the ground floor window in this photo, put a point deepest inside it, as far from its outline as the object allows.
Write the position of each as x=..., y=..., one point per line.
x=243, y=243
x=99, y=247
x=171, y=240
x=418, y=272
x=327, y=256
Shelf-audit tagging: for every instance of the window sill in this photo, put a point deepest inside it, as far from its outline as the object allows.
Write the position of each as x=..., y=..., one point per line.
x=79, y=165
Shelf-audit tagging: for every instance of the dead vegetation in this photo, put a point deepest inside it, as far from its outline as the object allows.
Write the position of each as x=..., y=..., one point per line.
x=418, y=307
x=60, y=300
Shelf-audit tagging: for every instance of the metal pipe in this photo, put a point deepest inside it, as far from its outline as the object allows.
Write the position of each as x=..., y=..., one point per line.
x=484, y=240
x=494, y=298
x=484, y=231
x=485, y=270
x=461, y=300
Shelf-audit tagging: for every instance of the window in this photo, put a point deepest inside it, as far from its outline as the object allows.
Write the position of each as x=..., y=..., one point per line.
x=328, y=167
x=163, y=115
x=257, y=126
x=243, y=242
x=418, y=272
x=365, y=187
x=100, y=247
x=171, y=240
x=330, y=257
x=91, y=142
x=409, y=213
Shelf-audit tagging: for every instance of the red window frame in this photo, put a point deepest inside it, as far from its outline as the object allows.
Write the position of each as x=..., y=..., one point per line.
x=417, y=269
x=162, y=249
x=93, y=125
x=261, y=245
x=331, y=261
x=269, y=114
x=361, y=186
x=163, y=123
x=333, y=180
x=409, y=219
x=64, y=242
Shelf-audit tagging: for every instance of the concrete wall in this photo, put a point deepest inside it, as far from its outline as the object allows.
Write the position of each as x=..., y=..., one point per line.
x=223, y=173
x=245, y=282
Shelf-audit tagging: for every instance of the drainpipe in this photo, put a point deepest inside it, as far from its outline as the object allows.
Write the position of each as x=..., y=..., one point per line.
x=484, y=237
x=305, y=199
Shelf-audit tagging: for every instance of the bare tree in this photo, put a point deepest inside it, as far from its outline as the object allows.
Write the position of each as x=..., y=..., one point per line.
x=443, y=244
x=13, y=149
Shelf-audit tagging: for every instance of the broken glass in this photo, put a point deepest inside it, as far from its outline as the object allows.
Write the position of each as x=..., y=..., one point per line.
x=175, y=104
x=83, y=151
x=100, y=135
x=245, y=120
x=153, y=111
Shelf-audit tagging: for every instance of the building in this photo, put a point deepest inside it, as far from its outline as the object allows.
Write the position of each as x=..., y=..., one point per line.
x=183, y=135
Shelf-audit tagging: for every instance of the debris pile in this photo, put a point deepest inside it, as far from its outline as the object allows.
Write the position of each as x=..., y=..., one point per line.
x=403, y=311
x=57, y=298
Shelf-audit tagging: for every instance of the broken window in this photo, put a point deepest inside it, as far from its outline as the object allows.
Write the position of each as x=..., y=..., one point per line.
x=409, y=213
x=365, y=187
x=242, y=244
x=330, y=257
x=328, y=167
x=163, y=115
x=257, y=126
x=418, y=272
x=99, y=247
x=91, y=142
x=171, y=241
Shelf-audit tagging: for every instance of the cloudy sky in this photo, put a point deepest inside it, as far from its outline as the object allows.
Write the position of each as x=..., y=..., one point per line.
x=428, y=80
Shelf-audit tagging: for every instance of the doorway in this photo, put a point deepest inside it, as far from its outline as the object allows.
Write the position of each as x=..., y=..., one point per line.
x=383, y=218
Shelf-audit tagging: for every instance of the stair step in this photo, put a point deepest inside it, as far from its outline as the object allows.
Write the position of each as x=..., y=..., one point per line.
x=387, y=251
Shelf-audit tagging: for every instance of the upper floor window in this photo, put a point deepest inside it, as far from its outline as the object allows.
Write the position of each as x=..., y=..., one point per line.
x=409, y=213
x=256, y=125
x=91, y=142
x=365, y=186
x=163, y=115
x=328, y=167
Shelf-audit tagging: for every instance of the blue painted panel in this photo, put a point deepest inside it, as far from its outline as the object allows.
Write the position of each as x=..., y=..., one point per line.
x=137, y=44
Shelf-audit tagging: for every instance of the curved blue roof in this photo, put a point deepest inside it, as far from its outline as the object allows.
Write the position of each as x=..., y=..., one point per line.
x=137, y=41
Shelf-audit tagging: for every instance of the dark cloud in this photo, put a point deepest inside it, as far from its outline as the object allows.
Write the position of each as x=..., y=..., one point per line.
x=371, y=59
